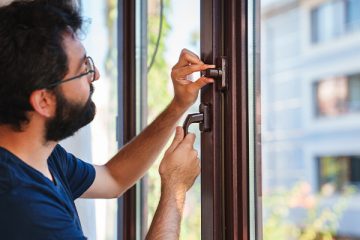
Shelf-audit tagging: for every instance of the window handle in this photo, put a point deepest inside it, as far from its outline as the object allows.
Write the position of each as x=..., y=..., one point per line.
x=219, y=73
x=203, y=117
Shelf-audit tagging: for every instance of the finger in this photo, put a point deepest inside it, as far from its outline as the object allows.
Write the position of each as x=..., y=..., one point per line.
x=198, y=163
x=179, y=136
x=183, y=82
x=201, y=82
x=194, y=154
x=189, y=140
x=189, y=52
x=186, y=58
x=189, y=69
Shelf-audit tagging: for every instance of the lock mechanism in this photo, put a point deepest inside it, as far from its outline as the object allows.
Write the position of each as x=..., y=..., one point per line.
x=203, y=117
x=219, y=73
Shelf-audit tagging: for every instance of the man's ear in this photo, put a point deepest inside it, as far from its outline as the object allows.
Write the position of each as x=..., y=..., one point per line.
x=43, y=102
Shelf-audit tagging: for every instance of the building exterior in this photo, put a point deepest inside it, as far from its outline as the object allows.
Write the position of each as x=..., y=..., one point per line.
x=310, y=85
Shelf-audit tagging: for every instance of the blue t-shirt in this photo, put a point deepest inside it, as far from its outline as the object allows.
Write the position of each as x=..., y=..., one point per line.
x=34, y=207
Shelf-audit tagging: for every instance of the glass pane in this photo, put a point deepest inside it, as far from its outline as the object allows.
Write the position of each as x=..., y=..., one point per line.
x=310, y=90
x=100, y=43
x=181, y=29
x=352, y=14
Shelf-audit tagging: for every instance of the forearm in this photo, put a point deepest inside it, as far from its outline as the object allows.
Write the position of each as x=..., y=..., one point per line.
x=135, y=158
x=167, y=219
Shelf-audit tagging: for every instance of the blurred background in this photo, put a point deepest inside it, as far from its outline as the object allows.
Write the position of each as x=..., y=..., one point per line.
x=310, y=89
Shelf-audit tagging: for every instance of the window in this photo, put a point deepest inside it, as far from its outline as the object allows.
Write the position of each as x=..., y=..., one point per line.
x=327, y=21
x=354, y=93
x=338, y=95
x=338, y=173
x=98, y=217
x=177, y=33
x=334, y=18
x=221, y=146
x=260, y=180
x=352, y=15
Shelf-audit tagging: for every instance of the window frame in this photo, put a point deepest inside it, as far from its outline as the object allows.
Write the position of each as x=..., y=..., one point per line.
x=227, y=167
x=132, y=84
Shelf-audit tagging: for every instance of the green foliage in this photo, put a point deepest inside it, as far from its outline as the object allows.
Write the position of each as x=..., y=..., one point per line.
x=322, y=219
x=191, y=222
x=158, y=94
x=159, y=75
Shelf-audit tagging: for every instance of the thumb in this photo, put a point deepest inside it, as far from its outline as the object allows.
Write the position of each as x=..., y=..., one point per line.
x=201, y=82
x=179, y=136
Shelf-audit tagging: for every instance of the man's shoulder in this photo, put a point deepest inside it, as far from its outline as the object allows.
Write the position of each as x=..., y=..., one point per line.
x=59, y=159
x=15, y=173
x=58, y=153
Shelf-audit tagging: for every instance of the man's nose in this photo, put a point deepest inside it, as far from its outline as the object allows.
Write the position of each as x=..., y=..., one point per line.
x=97, y=74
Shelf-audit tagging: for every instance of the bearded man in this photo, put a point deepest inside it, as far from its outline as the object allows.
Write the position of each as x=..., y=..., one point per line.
x=46, y=82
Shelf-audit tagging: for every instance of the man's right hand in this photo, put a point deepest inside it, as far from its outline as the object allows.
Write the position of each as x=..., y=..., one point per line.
x=180, y=165
x=178, y=170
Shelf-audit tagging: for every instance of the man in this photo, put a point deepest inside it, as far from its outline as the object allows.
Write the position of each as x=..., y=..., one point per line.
x=45, y=96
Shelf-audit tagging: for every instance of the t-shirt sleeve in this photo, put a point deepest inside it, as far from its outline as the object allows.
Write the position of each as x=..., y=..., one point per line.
x=79, y=174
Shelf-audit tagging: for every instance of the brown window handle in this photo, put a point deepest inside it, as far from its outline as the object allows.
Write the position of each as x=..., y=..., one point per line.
x=203, y=118
x=219, y=73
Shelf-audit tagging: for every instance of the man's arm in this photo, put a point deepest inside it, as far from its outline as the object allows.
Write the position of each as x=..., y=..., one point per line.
x=178, y=170
x=135, y=158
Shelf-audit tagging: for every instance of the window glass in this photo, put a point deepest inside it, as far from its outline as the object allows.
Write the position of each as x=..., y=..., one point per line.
x=310, y=130
x=327, y=20
x=352, y=14
x=100, y=43
x=354, y=92
x=338, y=173
x=332, y=96
x=181, y=29
x=338, y=95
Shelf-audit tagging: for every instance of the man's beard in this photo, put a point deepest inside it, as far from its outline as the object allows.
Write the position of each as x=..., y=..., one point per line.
x=69, y=117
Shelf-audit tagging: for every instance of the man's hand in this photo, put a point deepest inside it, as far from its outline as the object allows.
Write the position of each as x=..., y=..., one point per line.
x=180, y=165
x=178, y=169
x=186, y=91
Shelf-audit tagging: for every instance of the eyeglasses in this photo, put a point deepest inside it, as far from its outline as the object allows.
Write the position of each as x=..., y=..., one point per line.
x=90, y=72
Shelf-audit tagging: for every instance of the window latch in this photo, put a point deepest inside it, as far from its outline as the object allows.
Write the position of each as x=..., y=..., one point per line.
x=203, y=117
x=219, y=73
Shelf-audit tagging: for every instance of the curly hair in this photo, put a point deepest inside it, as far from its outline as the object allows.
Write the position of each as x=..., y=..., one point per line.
x=32, y=55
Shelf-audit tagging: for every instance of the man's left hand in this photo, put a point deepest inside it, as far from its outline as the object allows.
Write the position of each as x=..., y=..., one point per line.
x=186, y=91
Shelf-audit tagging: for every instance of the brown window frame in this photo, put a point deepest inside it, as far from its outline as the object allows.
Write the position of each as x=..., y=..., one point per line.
x=225, y=174
x=132, y=212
